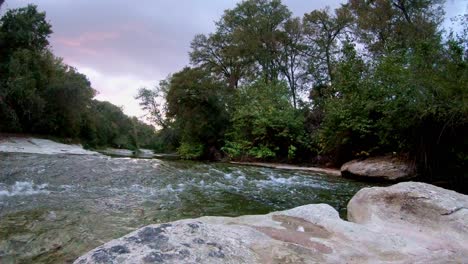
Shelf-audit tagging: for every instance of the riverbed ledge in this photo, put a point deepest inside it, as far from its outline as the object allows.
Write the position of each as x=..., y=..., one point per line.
x=408, y=222
x=280, y=166
x=19, y=144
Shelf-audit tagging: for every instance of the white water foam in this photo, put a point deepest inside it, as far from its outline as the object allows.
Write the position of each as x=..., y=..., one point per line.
x=180, y=188
x=23, y=188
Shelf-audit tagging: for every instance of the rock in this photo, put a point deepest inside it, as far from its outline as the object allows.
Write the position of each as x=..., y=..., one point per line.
x=40, y=146
x=145, y=153
x=414, y=210
x=279, y=166
x=118, y=152
x=405, y=223
x=379, y=168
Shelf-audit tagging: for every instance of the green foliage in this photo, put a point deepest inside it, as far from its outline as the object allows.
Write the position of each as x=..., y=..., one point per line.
x=40, y=94
x=247, y=42
x=322, y=31
x=404, y=91
x=106, y=125
x=404, y=102
x=261, y=152
x=256, y=27
x=292, y=152
x=388, y=26
x=151, y=101
x=197, y=103
x=264, y=117
x=24, y=28
x=236, y=149
x=166, y=140
x=190, y=150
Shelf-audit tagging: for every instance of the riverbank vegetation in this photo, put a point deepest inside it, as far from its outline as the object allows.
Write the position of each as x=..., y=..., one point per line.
x=366, y=79
x=39, y=94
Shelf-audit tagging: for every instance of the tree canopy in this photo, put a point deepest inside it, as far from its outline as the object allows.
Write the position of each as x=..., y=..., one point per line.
x=381, y=77
x=40, y=94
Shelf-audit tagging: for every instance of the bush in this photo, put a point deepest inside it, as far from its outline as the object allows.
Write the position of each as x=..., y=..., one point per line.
x=264, y=123
x=190, y=150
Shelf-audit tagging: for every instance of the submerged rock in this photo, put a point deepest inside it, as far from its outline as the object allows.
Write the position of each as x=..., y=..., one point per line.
x=379, y=168
x=404, y=223
x=145, y=153
x=118, y=152
x=140, y=153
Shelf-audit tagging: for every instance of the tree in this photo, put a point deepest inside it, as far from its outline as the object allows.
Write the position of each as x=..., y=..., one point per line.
x=25, y=66
x=292, y=59
x=216, y=54
x=22, y=83
x=265, y=125
x=198, y=103
x=24, y=28
x=42, y=95
x=322, y=32
x=391, y=25
x=153, y=103
x=68, y=95
x=256, y=30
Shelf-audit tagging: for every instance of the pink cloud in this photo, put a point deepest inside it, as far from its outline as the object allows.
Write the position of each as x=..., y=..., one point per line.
x=85, y=42
x=88, y=38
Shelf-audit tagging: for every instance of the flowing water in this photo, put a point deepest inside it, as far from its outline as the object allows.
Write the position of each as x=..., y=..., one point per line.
x=54, y=208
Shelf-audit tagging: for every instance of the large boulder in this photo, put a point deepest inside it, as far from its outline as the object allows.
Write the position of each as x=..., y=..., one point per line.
x=414, y=210
x=405, y=223
x=385, y=168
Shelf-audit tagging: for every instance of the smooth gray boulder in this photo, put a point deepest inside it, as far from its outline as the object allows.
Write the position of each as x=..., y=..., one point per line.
x=379, y=168
x=414, y=210
x=410, y=223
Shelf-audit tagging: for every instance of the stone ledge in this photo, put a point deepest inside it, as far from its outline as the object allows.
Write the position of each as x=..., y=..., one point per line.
x=405, y=223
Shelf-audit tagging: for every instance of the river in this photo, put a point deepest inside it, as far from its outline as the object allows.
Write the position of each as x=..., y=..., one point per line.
x=54, y=208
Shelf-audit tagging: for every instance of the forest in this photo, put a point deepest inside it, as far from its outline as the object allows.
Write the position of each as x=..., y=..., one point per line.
x=369, y=78
x=41, y=95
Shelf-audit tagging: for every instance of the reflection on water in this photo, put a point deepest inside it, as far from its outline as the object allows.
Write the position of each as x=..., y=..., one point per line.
x=55, y=208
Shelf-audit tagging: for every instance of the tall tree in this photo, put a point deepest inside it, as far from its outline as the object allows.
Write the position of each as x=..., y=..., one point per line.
x=256, y=27
x=323, y=30
x=396, y=25
x=24, y=28
x=68, y=95
x=153, y=102
x=292, y=59
x=25, y=66
x=216, y=54
x=197, y=103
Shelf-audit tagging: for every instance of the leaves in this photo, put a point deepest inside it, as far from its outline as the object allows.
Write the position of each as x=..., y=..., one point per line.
x=40, y=94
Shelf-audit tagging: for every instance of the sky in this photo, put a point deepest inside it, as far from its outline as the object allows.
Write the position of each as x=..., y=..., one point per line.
x=125, y=45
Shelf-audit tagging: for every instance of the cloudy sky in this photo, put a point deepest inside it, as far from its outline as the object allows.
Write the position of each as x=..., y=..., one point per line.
x=124, y=45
